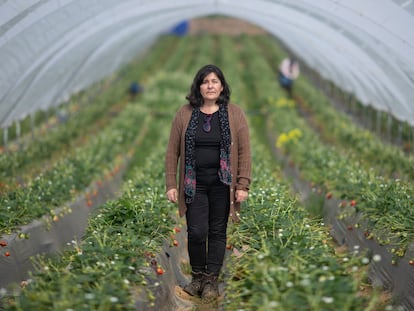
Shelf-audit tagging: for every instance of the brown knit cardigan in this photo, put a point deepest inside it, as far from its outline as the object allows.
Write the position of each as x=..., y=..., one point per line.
x=240, y=155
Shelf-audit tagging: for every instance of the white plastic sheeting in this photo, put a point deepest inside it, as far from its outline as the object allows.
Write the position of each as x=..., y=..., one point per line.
x=50, y=49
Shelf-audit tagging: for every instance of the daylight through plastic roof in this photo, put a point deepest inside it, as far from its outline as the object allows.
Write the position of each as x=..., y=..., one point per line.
x=52, y=49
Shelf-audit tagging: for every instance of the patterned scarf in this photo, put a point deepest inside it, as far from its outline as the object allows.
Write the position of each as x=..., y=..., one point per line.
x=224, y=171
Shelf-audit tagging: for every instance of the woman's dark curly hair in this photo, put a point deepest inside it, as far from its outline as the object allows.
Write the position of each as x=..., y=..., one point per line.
x=195, y=99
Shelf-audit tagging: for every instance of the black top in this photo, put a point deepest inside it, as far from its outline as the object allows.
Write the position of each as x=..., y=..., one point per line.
x=207, y=146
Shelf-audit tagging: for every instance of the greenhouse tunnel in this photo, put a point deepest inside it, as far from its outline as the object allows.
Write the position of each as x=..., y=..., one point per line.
x=56, y=48
x=51, y=50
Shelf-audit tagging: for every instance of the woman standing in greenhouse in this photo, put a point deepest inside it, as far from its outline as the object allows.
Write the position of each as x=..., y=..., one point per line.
x=209, y=140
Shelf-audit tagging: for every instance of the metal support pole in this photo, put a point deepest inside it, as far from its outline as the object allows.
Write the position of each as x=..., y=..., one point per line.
x=32, y=124
x=412, y=138
x=351, y=104
x=389, y=124
x=6, y=137
x=369, y=117
x=378, y=123
x=400, y=128
x=18, y=131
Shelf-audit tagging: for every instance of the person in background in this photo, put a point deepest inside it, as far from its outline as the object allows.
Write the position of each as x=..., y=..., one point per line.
x=209, y=142
x=288, y=72
x=134, y=89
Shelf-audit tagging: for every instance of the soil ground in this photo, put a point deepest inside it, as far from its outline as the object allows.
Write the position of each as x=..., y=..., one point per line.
x=223, y=25
x=199, y=305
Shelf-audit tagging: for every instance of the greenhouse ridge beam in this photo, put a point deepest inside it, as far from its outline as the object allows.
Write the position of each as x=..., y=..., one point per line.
x=52, y=49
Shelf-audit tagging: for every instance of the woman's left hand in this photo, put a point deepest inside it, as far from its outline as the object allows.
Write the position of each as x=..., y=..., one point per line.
x=241, y=195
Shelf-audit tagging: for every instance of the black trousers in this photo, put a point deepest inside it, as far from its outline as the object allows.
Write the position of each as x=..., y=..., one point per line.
x=207, y=218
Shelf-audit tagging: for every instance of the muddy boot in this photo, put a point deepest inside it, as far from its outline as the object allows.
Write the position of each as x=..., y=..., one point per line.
x=195, y=287
x=211, y=288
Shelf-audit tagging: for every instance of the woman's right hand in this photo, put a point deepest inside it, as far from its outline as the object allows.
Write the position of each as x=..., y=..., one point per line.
x=172, y=195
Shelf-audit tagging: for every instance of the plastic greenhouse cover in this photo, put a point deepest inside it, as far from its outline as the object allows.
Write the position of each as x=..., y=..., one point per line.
x=50, y=49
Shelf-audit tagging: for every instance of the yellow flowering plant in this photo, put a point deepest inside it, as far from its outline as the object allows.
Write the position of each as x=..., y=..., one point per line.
x=284, y=140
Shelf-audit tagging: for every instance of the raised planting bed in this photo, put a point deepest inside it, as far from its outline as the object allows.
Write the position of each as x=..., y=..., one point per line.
x=52, y=233
x=392, y=272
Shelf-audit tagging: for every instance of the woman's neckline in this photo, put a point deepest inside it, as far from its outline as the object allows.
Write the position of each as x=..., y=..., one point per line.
x=209, y=113
x=210, y=108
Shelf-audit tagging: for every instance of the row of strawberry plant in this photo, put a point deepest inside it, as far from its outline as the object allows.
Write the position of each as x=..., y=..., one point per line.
x=355, y=142
x=58, y=139
x=384, y=203
x=326, y=166
x=338, y=129
x=92, y=110
x=71, y=175
x=283, y=259
x=116, y=255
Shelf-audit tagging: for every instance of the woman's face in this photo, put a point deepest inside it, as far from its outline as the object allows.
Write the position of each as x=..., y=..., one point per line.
x=211, y=88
